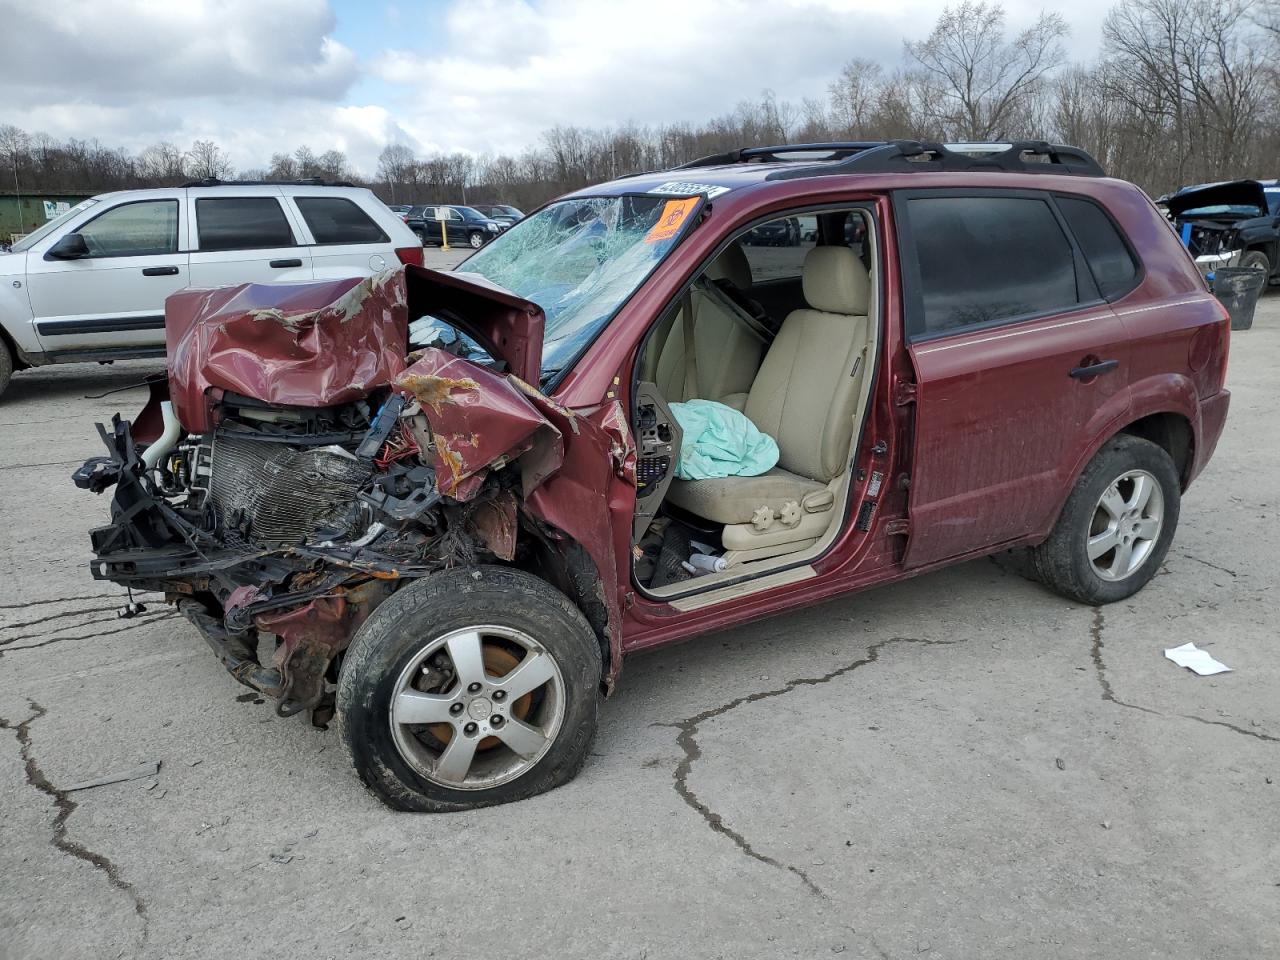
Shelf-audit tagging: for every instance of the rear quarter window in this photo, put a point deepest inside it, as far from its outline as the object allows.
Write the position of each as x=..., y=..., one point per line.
x=1114, y=268
x=338, y=220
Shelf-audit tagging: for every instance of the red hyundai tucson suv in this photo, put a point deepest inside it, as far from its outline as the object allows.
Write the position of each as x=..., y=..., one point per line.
x=446, y=505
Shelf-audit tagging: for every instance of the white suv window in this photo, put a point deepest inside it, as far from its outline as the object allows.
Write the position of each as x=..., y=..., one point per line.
x=139, y=229
x=338, y=220
x=241, y=223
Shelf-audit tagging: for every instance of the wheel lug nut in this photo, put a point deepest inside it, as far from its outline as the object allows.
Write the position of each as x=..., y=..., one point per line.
x=469, y=729
x=474, y=687
x=496, y=720
x=499, y=695
x=455, y=709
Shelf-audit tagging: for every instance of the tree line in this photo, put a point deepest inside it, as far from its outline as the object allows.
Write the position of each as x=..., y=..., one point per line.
x=1181, y=91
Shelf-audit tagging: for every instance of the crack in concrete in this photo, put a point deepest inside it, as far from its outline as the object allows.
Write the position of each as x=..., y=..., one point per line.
x=688, y=742
x=66, y=806
x=58, y=616
x=1108, y=694
x=1208, y=564
x=134, y=621
x=167, y=615
x=37, y=603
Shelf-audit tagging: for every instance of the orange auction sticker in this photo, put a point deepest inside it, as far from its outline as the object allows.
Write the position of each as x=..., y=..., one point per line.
x=672, y=219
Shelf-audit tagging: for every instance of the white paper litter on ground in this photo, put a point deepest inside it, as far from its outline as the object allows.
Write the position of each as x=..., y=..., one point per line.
x=1193, y=658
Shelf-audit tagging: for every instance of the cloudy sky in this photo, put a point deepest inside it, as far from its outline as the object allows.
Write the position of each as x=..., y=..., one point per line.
x=261, y=76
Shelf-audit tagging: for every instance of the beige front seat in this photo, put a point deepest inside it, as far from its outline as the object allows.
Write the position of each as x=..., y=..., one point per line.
x=727, y=352
x=806, y=396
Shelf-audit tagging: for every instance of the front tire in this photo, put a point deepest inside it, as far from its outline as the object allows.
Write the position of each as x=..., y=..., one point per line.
x=476, y=240
x=1257, y=260
x=1117, y=525
x=468, y=688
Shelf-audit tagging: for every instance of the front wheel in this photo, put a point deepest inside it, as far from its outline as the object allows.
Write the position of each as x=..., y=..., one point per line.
x=6, y=366
x=1257, y=260
x=476, y=240
x=471, y=687
x=1117, y=525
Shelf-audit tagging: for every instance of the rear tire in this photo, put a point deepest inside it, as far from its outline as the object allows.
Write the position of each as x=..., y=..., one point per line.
x=6, y=366
x=389, y=675
x=1117, y=525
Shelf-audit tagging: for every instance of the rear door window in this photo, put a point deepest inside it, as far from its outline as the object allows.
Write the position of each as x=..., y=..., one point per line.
x=241, y=223
x=1109, y=258
x=141, y=229
x=338, y=220
x=982, y=260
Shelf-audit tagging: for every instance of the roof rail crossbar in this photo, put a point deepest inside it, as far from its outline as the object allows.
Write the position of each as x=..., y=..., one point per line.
x=304, y=182
x=838, y=150
x=914, y=156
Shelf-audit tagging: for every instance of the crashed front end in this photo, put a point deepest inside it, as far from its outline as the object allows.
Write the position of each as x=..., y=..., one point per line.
x=296, y=468
x=1212, y=220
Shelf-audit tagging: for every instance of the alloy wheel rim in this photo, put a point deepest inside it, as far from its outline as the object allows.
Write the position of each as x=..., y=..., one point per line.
x=459, y=725
x=1125, y=525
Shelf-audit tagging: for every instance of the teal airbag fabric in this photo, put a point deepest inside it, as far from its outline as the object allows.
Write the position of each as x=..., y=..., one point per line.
x=720, y=441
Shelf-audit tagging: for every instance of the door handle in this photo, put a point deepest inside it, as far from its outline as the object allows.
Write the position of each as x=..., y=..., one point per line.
x=1095, y=368
x=295, y=262
x=159, y=271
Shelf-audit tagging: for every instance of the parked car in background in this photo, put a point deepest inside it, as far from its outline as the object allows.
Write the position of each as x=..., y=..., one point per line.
x=503, y=214
x=91, y=285
x=1007, y=351
x=400, y=209
x=1232, y=224
x=463, y=225
x=776, y=233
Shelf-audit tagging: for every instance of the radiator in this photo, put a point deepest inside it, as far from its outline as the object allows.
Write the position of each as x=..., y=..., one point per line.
x=275, y=493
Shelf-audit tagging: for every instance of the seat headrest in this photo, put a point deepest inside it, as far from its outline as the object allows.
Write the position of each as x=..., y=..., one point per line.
x=835, y=281
x=731, y=265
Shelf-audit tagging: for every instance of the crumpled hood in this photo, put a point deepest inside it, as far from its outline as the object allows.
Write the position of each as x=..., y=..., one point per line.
x=291, y=344
x=328, y=342
x=1235, y=193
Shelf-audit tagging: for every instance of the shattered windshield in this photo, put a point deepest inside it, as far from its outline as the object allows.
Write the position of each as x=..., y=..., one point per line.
x=579, y=260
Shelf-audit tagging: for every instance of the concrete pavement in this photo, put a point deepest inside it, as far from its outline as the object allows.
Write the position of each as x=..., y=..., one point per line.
x=959, y=766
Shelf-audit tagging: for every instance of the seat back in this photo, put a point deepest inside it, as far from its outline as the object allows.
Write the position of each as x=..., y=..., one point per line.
x=807, y=391
x=728, y=354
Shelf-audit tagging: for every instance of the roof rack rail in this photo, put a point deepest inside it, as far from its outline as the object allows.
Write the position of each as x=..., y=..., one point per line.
x=305, y=182
x=839, y=150
x=913, y=156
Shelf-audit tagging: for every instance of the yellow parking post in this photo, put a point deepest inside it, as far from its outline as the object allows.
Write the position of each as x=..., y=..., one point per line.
x=444, y=237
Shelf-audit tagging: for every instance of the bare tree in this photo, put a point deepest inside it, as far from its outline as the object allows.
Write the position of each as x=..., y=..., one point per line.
x=985, y=79
x=206, y=161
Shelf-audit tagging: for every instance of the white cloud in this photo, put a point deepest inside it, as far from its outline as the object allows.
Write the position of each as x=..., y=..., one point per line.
x=263, y=76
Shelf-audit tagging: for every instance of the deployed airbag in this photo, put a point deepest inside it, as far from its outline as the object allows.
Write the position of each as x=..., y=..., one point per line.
x=720, y=441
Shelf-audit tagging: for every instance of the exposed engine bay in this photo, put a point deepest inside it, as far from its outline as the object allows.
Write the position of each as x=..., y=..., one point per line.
x=288, y=522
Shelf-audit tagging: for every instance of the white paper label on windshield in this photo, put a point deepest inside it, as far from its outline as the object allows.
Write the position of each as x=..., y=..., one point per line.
x=681, y=188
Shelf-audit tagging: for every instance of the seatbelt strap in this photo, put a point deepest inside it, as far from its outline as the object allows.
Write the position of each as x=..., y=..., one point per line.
x=690, y=349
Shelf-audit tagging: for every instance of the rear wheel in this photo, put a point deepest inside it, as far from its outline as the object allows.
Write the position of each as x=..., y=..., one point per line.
x=471, y=687
x=6, y=366
x=1117, y=525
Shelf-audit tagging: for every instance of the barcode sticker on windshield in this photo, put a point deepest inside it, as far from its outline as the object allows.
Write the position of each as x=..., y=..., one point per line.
x=672, y=219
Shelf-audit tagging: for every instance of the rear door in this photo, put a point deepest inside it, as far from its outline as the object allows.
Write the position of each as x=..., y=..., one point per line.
x=1015, y=351
x=345, y=240
x=244, y=235
x=113, y=299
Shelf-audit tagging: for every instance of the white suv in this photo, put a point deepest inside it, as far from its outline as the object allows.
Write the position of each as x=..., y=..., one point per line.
x=91, y=285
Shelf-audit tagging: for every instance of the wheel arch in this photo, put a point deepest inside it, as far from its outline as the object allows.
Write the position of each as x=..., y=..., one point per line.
x=566, y=565
x=1173, y=433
